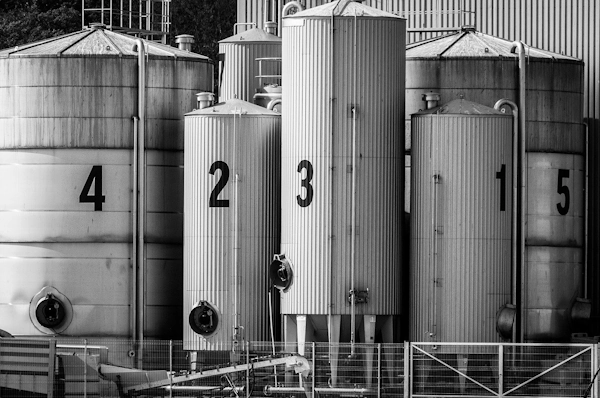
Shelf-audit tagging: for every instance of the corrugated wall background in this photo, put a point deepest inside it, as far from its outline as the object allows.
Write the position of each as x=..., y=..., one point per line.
x=571, y=27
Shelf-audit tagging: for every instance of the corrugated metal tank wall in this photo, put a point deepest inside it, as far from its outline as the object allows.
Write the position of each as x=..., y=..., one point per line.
x=461, y=222
x=240, y=66
x=317, y=161
x=66, y=107
x=232, y=224
x=564, y=27
x=482, y=68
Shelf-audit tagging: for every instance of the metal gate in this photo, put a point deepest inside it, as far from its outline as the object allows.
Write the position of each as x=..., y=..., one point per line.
x=502, y=370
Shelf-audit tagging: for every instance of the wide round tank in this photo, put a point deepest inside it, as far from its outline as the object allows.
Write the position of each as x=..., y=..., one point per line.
x=231, y=226
x=343, y=161
x=66, y=169
x=484, y=69
x=239, y=77
x=460, y=253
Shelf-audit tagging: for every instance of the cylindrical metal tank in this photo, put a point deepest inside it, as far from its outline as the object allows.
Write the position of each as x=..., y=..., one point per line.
x=460, y=251
x=232, y=224
x=66, y=170
x=484, y=69
x=342, y=165
x=240, y=67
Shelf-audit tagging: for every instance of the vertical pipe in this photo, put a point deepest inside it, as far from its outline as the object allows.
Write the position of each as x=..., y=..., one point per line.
x=235, y=259
x=379, y=370
x=82, y=14
x=85, y=368
x=519, y=46
x=353, y=210
x=134, y=200
x=500, y=370
x=586, y=212
x=141, y=201
x=171, y=368
x=407, y=374
x=312, y=366
x=515, y=220
x=433, y=256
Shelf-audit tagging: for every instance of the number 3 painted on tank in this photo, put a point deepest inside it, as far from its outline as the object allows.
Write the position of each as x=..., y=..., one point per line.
x=306, y=201
x=563, y=190
x=214, y=200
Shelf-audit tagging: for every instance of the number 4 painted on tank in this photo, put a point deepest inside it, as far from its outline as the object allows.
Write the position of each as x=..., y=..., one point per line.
x=97, y=198
x=563, y=189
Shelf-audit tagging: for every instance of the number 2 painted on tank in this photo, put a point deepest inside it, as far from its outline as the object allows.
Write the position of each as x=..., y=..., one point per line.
x=563, y=189
x=97, y=198
x=214, y=200
x=305, y=183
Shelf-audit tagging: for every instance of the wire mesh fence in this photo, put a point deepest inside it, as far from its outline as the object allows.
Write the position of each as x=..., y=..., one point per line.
x=119, y=368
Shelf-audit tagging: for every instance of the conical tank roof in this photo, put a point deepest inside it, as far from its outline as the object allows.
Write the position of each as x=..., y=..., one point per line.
x=95, y=41
x=254, y=35
x=468, y=43
x=462, y=107
x=342, y=8
x=233, y=107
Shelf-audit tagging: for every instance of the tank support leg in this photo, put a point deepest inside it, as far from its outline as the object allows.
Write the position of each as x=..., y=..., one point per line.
x=333, y=329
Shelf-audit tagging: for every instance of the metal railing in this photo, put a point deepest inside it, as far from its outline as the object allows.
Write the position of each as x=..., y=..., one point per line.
x=80, y=368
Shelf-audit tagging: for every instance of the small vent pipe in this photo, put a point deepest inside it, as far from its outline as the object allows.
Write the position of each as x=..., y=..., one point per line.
x=185, y=42
x=204, y=100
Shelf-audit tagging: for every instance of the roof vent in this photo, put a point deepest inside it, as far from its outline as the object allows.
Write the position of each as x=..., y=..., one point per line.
x=185, y=42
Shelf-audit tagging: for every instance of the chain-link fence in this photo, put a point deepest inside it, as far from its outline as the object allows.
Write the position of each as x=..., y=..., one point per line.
x=119, y=368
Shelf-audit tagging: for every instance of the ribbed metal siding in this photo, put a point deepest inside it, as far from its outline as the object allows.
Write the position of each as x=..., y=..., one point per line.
x=241, y=68
x=317, y=238
x=250, y=146
x=561, y=26
x=554, y=93
x=456, y=291
x=59, y=117
x=555, y=274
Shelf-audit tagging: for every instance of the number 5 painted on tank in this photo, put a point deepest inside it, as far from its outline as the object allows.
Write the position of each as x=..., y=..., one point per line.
x=563, y=190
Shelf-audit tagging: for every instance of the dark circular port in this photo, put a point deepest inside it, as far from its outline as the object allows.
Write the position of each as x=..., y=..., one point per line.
x=204, y=319
x=50, y=312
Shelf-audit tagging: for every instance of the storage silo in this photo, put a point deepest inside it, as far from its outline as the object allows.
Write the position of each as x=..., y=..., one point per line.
x=485, y=69
x=69, y=109
x=241, y=67
x=460, y=267
x=342, y=172
x=231, y=226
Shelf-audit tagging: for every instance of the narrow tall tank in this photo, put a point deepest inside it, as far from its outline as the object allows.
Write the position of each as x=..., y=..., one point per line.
x=66, y=170
x=460, y=252
x=239, y=77
x=342, y=171
x=485, y=69
x=231, y=226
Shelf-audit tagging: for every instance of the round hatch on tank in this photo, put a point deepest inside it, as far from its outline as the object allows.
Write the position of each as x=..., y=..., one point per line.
x=50, y=311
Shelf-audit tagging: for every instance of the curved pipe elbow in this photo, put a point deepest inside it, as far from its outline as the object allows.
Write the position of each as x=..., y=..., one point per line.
x=291, y=5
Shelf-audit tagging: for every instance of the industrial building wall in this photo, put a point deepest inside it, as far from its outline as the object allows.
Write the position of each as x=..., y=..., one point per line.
x=569, y=27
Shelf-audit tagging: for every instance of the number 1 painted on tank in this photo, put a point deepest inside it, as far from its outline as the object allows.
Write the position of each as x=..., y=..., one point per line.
x=501, y=175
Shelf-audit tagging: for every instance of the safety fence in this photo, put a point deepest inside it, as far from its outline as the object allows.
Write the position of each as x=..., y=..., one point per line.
x=119, y=368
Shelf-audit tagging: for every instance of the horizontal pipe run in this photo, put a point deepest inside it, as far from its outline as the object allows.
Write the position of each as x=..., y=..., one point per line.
x=202, y=388
x=320, y=390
